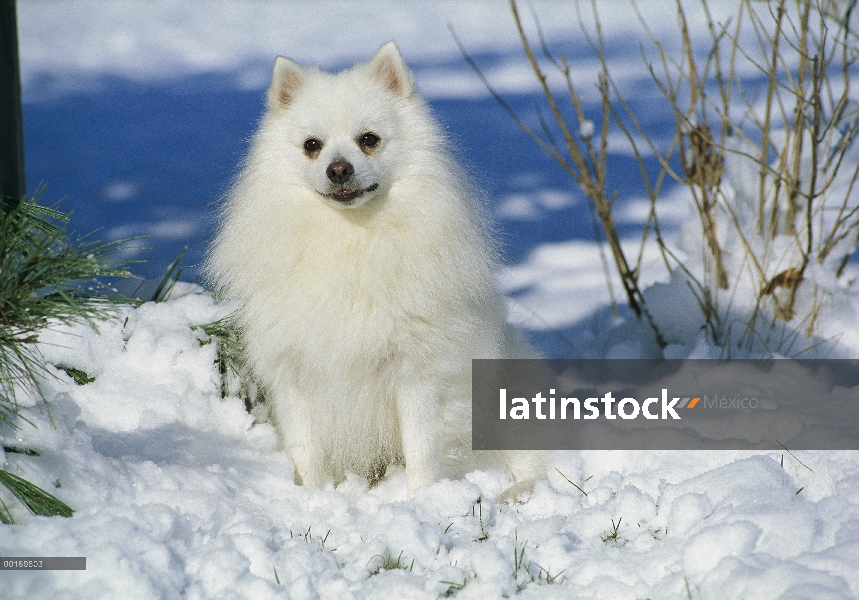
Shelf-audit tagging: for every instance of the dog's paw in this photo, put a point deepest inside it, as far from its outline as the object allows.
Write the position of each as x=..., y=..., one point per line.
x=518, y=492
x=314, y=478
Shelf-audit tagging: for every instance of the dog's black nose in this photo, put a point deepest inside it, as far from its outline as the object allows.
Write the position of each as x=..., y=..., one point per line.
x=340, y=171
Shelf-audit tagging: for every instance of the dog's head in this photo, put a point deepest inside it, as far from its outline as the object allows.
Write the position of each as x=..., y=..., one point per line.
x=342, y=132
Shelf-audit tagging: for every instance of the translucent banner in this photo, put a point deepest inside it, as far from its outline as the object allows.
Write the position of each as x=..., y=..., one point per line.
x=665, y=404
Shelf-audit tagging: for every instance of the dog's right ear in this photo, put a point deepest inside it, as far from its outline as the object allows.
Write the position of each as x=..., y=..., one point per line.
x=286, y=79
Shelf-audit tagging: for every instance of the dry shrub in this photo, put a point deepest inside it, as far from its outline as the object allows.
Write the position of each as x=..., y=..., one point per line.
x=763, y=139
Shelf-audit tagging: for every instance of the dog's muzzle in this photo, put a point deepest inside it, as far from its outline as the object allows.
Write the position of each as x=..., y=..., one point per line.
x=340, y=173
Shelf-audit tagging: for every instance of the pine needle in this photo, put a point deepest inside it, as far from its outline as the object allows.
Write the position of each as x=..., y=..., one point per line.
x=236, y=376
x=45, y=277
x=37, y=500
x=168, y=282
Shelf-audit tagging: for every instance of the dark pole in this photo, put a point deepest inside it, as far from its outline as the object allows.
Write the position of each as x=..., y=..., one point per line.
x=12, y=183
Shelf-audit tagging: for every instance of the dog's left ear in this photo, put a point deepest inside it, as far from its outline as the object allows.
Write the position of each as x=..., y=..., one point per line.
x=389, y=69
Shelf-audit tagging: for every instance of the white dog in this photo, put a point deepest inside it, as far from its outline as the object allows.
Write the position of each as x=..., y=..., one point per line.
x=364, y=276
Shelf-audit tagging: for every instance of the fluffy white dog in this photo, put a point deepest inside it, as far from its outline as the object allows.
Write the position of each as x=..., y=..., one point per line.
x=364, y=275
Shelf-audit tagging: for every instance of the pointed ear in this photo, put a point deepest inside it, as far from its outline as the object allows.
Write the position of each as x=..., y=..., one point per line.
x=388, y=68
x=286, y=79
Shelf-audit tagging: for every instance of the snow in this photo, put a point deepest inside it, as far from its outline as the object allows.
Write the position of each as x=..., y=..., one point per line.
x=179, y=493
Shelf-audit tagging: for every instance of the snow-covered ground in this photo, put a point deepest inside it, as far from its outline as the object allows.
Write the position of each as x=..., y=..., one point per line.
x=178, y=494
x=138, y=112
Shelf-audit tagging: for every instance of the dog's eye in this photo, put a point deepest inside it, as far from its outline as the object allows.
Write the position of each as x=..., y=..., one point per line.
x=369, y=140
x=312, y=146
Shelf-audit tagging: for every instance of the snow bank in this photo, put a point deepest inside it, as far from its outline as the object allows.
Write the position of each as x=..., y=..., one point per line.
x=65, y=44
x=179, y=494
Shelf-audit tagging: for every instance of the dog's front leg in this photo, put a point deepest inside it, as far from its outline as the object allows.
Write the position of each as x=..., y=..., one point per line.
x=420, y=417
x=293, y=417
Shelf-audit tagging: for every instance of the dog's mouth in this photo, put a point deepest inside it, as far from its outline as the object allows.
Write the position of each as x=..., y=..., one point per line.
x=347, y=195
